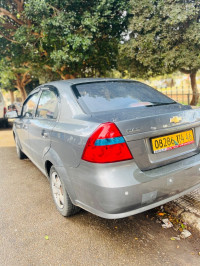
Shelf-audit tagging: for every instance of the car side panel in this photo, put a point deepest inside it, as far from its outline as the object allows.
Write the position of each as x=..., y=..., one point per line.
x=69, y=139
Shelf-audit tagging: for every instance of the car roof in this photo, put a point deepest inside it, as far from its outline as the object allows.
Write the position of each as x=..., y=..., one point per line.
x=85, y=80
x=63, y=83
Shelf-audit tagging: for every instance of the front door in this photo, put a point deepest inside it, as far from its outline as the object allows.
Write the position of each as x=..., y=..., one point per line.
x=22, y=124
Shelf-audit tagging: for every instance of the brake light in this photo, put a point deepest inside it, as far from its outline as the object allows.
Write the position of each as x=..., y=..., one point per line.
x=4, y=111
x=106, y=145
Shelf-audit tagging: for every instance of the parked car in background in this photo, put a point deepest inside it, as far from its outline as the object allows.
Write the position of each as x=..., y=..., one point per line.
x=110, y=146
x=3, y=119
x=16, y=106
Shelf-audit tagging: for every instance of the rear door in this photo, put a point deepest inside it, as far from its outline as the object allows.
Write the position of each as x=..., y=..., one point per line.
x=43, y=123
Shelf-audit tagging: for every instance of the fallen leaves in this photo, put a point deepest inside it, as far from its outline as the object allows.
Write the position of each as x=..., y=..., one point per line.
x=169, y=221
x=175, y=238
x=161, y=213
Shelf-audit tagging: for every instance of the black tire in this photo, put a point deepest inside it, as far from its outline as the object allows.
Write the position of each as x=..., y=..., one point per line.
x=68, y=208
x=20, y=154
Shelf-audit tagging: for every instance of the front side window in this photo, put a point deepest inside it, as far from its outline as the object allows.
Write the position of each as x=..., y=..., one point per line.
x=30, y=106
x=48, y=105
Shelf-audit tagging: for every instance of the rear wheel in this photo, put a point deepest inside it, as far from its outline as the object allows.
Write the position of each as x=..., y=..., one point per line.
x=60, y=195
x=20, y=154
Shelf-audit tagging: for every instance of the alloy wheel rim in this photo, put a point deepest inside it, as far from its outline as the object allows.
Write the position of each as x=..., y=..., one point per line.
x=57, y=190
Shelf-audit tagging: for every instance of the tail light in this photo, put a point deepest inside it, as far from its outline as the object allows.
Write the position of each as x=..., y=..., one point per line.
x=106, y=145
x=4, y=111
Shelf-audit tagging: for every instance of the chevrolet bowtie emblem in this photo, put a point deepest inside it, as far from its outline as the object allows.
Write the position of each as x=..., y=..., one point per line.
x=175, y=119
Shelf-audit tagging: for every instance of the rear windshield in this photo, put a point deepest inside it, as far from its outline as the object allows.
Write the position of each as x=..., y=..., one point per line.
x=114, y=95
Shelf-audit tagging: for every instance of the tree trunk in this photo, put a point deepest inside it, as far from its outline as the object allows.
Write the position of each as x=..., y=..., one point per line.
x=195, y=96
x=21, y=81
x=23, y=93
x=12, y=98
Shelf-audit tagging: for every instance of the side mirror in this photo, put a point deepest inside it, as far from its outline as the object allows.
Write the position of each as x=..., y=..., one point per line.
x=28, y=115
x=11, y=114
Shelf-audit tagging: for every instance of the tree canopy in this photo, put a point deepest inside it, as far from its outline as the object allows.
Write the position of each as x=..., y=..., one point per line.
x=53, y=39
x=62, y=39
x=164, y=37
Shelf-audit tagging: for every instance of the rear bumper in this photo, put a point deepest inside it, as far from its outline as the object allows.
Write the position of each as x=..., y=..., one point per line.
x=119, y=190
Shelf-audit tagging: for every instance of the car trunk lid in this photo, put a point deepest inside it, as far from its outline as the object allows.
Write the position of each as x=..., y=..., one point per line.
x=140, y=125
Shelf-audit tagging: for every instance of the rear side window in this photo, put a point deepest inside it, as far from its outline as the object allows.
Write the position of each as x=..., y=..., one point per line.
x=113, y=95
x=30, y=106
x=48, y=105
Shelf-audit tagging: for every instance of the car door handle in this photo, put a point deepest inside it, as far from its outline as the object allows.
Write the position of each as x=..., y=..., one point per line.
x=44, y=134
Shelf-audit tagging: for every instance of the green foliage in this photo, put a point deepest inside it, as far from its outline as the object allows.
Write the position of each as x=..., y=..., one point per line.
x=164, y=37
x=79, y=38
x=6, y=76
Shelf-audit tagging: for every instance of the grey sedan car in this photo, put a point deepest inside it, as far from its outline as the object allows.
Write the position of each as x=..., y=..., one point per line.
x=110, y=146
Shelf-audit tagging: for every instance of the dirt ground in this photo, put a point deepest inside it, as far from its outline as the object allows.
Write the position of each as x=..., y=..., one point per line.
x=27, y=215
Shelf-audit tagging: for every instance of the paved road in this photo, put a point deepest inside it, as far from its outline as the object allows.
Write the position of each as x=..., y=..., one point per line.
x=27, y=214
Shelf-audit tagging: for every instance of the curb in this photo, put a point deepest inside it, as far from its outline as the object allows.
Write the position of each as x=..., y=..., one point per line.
x=186, y=208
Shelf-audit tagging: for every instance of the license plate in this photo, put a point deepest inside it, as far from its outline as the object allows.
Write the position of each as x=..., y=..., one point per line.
x=170, y=142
